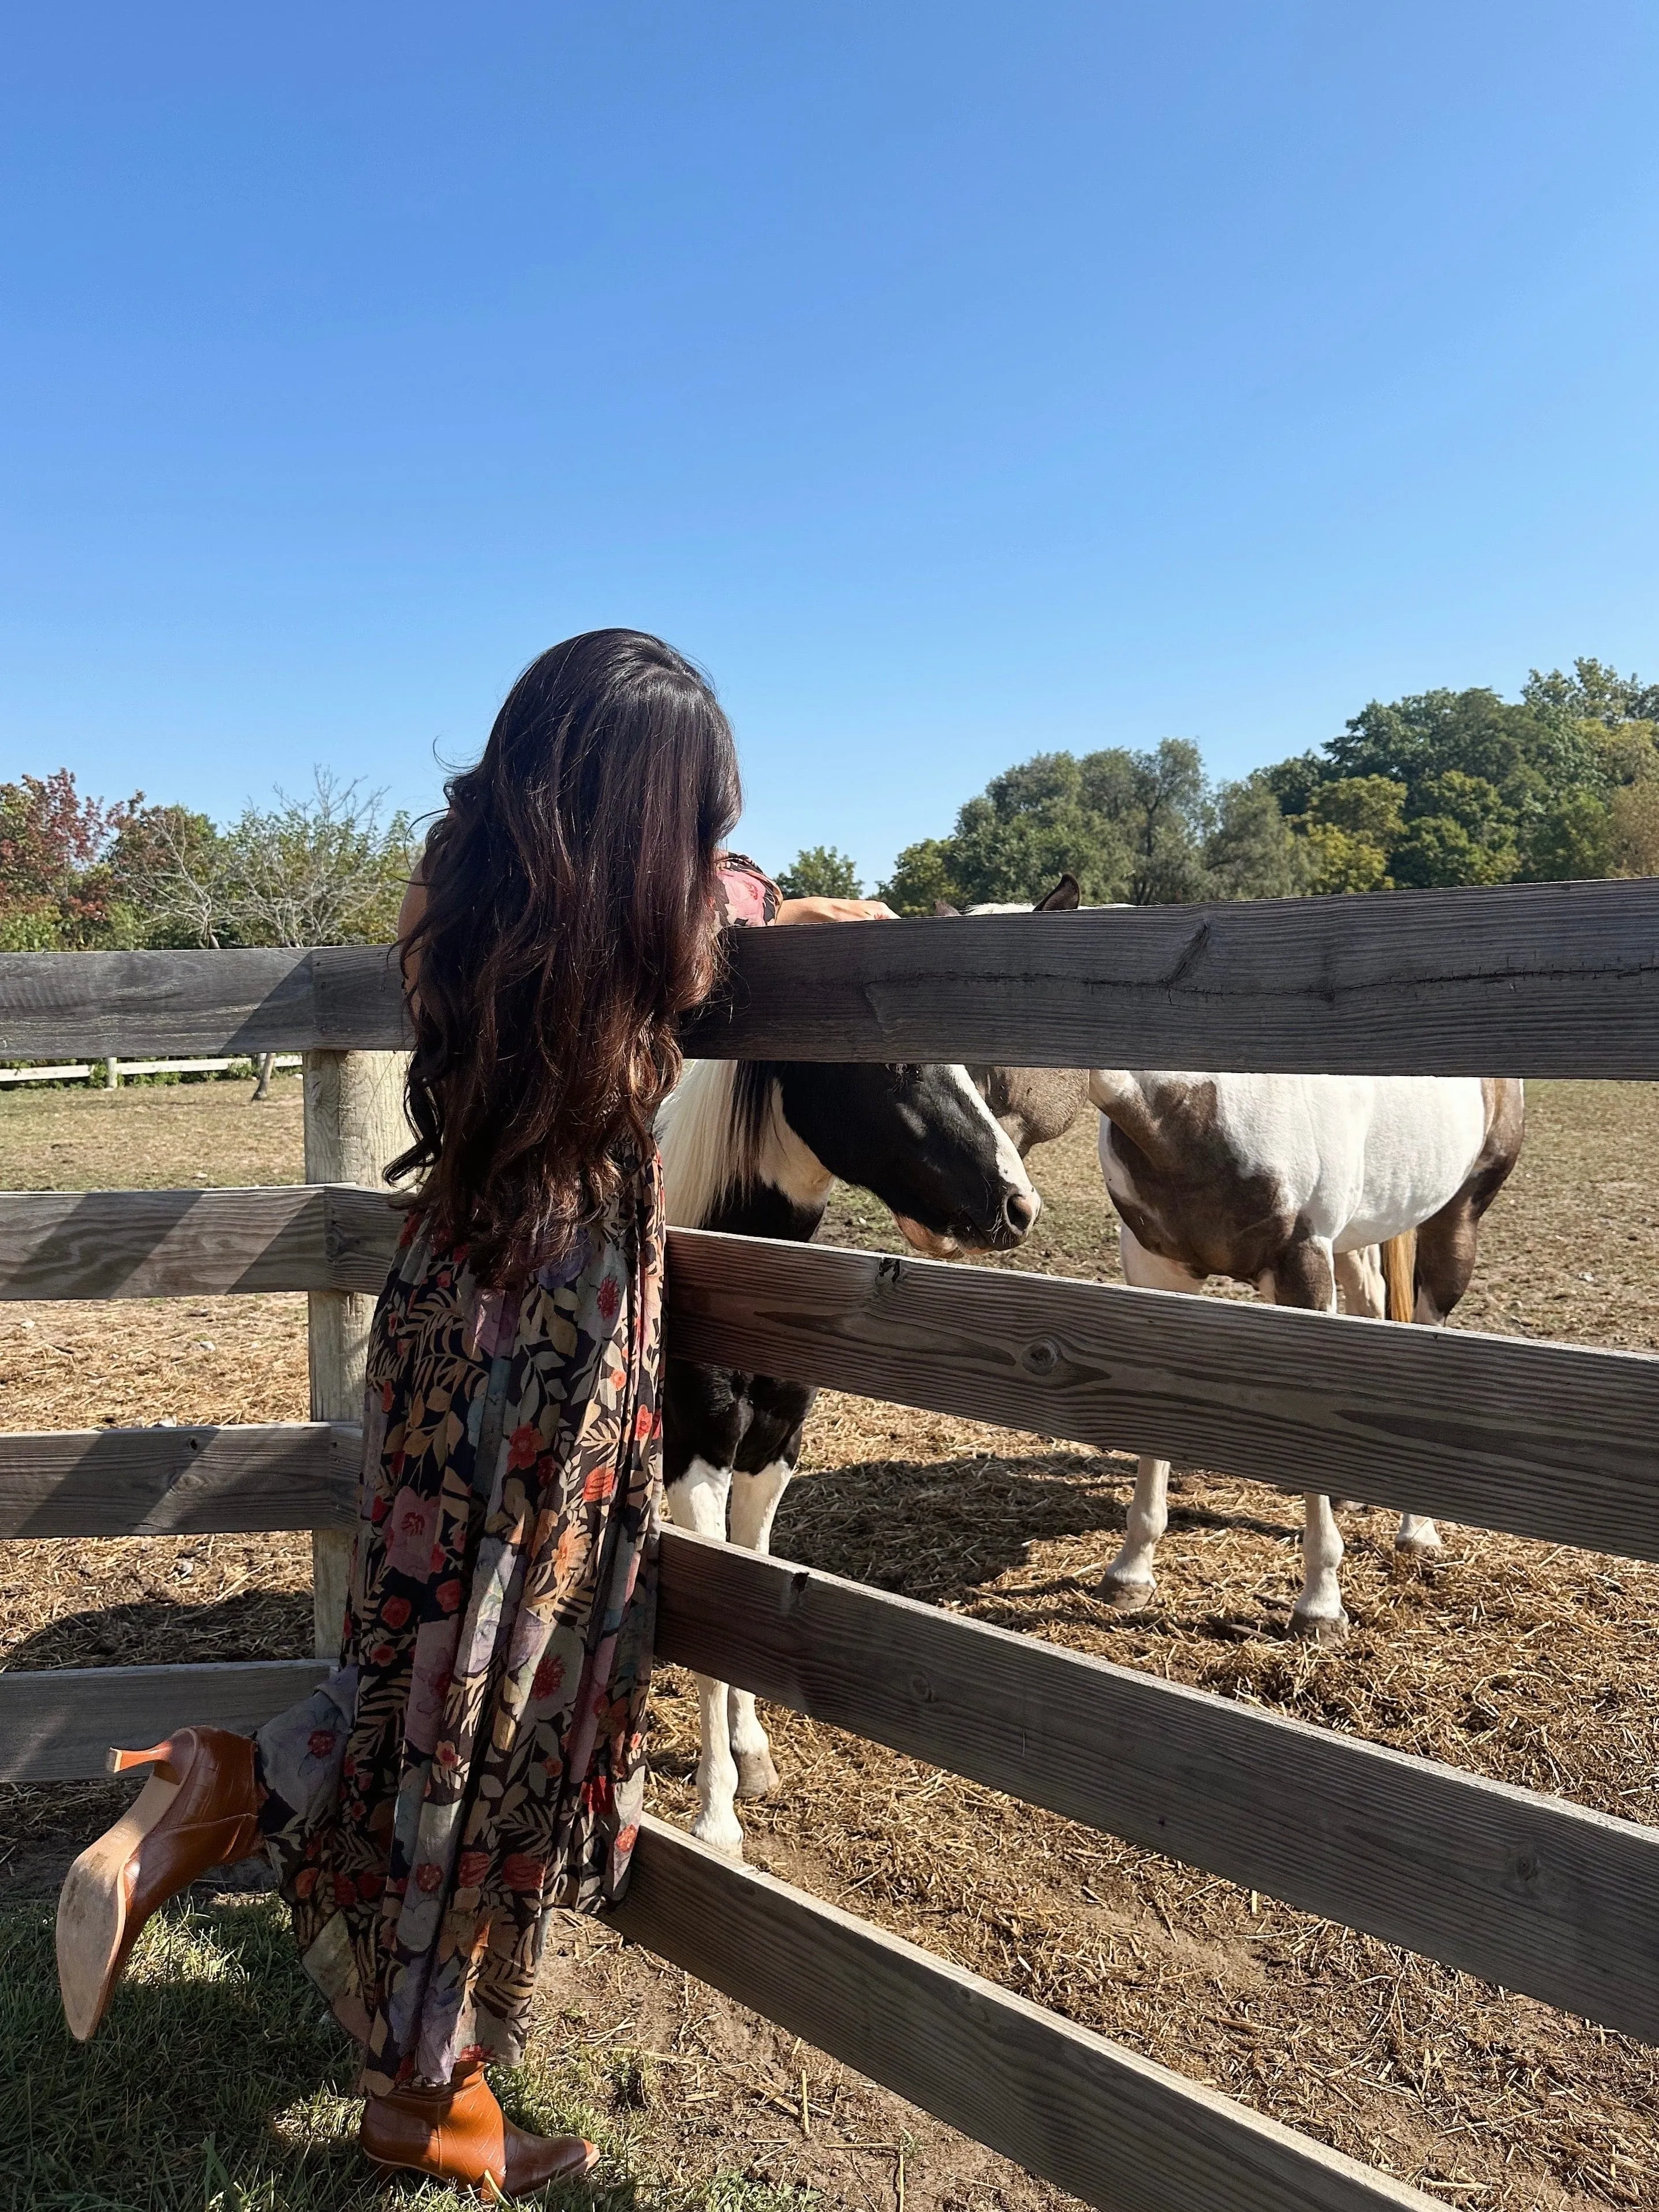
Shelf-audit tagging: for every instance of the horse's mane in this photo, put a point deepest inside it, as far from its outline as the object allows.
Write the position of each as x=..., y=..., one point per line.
x=713, y=1131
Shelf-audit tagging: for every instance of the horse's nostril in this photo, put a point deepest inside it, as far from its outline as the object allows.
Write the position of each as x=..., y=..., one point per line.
x=1020, y=1210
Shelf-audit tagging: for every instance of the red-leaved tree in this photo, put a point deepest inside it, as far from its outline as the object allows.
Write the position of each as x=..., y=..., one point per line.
x=54, y=847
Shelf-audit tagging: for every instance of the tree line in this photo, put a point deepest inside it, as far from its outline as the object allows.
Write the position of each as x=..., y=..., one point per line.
x=329, y=867
x=1442, y=787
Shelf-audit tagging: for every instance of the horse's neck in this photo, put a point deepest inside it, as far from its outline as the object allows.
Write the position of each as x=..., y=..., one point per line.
x=1155, y=1110
x=731, y=1159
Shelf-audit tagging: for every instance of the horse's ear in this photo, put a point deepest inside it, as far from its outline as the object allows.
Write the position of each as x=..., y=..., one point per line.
x=1062, y=899
x=944, y=911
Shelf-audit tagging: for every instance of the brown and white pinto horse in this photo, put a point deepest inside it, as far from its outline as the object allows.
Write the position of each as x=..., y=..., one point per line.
x=1314, y=1189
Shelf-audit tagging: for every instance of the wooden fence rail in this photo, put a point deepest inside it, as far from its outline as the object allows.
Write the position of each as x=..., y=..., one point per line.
x=1114, y=2128
x=1541, y=979
x=174, y=1481
x=1558, y=1441
x=194, y=1243
x=1524, y=1890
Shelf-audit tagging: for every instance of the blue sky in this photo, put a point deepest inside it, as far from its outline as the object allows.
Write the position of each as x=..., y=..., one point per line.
x=954, y=382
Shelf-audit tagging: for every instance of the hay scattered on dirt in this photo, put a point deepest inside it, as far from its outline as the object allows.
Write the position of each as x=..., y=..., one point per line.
x=1527, y=1662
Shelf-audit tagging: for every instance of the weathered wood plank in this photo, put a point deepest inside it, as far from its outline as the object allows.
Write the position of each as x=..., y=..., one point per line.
x=138, y=1003
x=176, y=1482
x=1552, y=1441
x=1546, y=1440
x=190, y=1244
x=1538, y=979
x=1527, y=1891
x=1546, y=979
x=56, y=1726
x=1093, y=2117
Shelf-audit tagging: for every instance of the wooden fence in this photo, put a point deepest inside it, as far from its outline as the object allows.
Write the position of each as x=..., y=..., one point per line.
x=1548, y=1441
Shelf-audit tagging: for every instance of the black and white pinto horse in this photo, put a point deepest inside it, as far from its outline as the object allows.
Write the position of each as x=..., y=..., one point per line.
x=755, y=1148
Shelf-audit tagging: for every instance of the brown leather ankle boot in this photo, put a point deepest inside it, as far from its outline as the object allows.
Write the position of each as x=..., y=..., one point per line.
x=197, y=1810
x=461, y=2134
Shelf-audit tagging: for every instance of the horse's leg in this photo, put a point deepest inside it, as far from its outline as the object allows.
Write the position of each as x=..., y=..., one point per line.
x=1306, y=1276
x=698, y=1501
x=1360, y=1278
x=1363, y=1290
x=1445, y=1261
x=1129, y=1582
x=754, y=1507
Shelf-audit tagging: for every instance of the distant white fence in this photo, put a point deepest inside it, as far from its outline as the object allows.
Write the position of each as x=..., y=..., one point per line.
x=115, y=1069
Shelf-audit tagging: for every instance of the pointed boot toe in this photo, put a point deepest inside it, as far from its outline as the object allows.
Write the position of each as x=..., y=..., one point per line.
x=461, y=2135
x=197, y=1810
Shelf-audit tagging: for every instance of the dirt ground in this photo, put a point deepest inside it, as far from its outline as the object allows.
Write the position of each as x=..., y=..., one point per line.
x=1528, y=1662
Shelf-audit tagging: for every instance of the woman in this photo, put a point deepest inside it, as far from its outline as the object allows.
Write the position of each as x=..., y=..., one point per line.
x=477, y=1760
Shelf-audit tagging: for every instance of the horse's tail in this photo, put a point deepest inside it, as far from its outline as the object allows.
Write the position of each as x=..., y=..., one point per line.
x=1400, y=1274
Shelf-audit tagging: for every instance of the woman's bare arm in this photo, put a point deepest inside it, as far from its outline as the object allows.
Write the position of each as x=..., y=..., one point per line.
x=832, y=909
x=409, y=916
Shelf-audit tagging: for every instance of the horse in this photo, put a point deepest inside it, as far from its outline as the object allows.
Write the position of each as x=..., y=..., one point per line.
x=754, y=1147
x=1310, y=1188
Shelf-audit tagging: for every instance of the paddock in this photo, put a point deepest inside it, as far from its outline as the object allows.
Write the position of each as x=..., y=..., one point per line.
x=1192, y=1968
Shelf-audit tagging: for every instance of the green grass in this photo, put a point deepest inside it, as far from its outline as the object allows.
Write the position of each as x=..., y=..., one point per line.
x=219, y=2083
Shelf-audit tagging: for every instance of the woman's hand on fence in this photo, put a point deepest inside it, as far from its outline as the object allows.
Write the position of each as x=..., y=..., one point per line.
x=833, y=910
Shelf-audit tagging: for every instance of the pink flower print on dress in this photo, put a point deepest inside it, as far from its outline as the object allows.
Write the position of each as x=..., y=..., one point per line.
x=411, y=1525
x=435, y=1661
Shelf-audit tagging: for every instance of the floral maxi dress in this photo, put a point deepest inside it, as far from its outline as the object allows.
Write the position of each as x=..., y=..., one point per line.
x=477, y=1760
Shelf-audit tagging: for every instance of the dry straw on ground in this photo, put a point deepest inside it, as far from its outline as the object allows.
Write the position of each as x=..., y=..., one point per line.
x=1528, y=1662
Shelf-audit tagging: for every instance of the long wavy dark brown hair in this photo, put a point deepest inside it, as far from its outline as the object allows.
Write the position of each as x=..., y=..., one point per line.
x=570, y=920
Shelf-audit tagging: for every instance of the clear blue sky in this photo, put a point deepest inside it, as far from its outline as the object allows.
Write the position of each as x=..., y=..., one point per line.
x=954, y=382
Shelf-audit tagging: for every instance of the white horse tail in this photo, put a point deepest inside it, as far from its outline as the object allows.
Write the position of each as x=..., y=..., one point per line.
x=1400, y=1274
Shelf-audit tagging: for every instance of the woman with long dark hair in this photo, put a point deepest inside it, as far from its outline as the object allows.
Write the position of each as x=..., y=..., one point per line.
x=477, y=1760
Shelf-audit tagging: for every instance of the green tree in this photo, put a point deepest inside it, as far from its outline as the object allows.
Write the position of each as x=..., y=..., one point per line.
x=1592, y=693
x=1488, y=790
x=330, y=868
x=1251, y=852
x=923, y=878
x=1574, y=838
x=1633, y=828
x=1140, y=828
x=1352, y=827
x=821, y=871
x=1465, y=834
x=168, y=868
x=327, y=869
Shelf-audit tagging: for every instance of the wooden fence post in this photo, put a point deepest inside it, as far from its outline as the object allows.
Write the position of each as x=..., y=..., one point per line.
x=354, y=1124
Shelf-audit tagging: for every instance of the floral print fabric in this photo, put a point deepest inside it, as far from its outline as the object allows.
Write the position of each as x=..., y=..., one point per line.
x=478, y=1759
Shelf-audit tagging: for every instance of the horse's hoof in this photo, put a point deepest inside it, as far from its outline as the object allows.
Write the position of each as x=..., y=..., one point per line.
x=1127, y=1596
x=1419, y=1547
x=756, y=1776
x=722, y=1832
x=1329, y=1633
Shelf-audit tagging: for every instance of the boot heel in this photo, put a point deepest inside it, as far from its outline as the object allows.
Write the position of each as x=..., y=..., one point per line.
x=159, y=1755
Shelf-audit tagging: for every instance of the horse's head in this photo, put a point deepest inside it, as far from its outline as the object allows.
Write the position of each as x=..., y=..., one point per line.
x=1035, y=1105
x=922, y=1139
